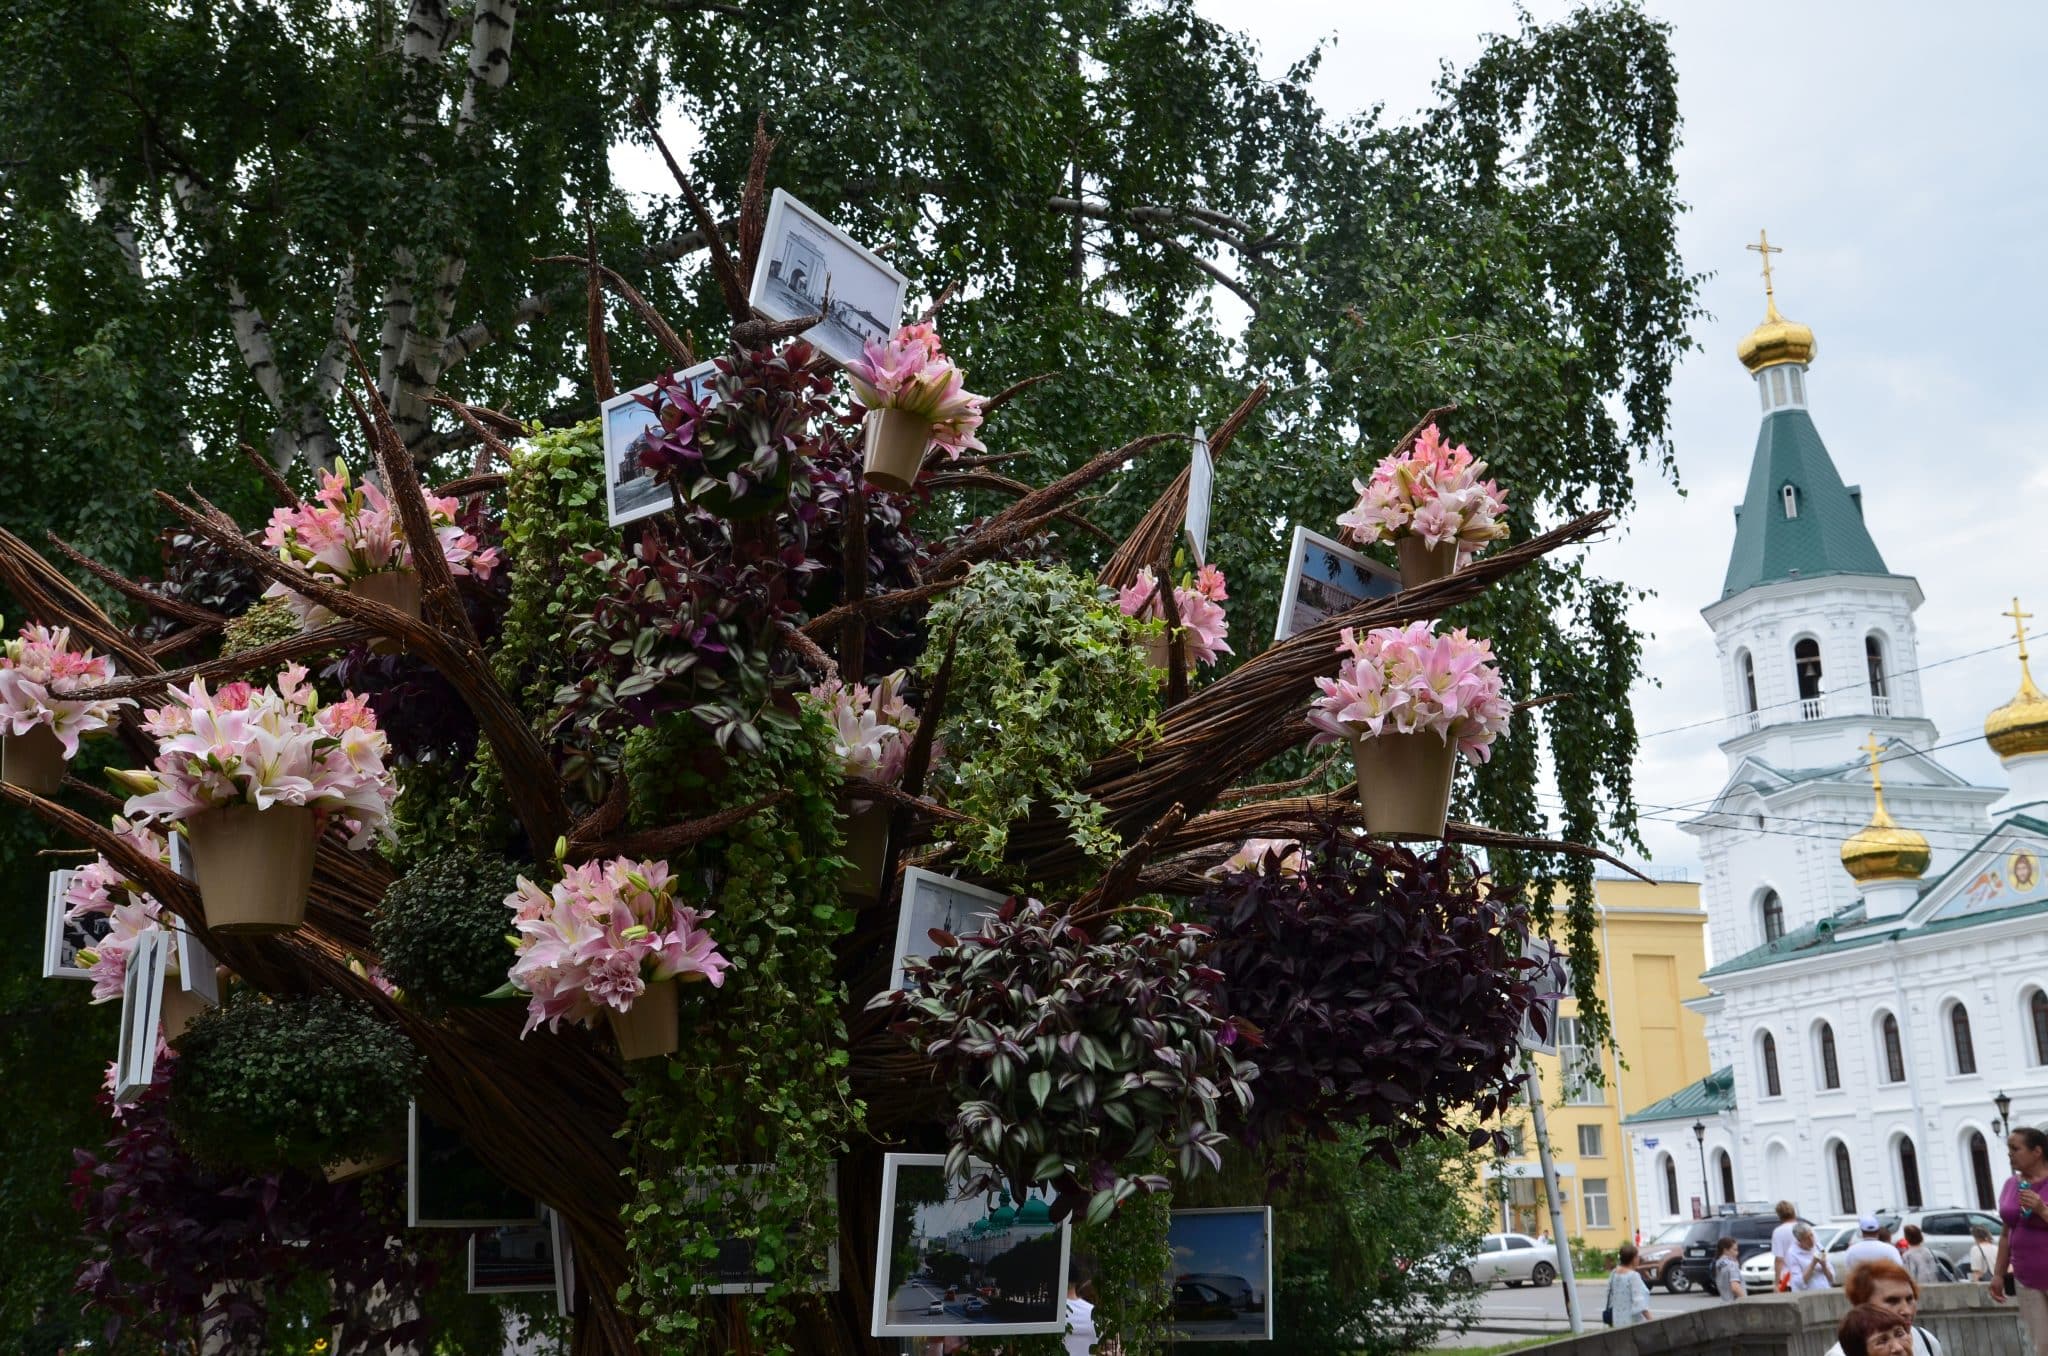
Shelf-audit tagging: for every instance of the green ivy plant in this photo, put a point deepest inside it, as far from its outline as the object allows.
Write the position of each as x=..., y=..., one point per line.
x=554, y=514
x=265, y=1083
x=763, y=1080
x=440, y=931
x=1047, y=676
x=1133, y=1265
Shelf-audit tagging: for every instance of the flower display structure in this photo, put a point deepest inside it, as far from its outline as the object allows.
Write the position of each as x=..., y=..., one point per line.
x=1077, y=1049
x=38, y=667
x=98, y=888
x=735, y=450
x=1199, y=602
x=1412, y=680
x=265, y=746
x=1432, y=491
x=910, y=371
x=871, y=726
x=350, y=531
x=600, y=936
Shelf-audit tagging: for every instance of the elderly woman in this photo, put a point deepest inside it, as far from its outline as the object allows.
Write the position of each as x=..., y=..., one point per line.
x=1870, y=1331
x=1807, y=1263
x=1887, y=1286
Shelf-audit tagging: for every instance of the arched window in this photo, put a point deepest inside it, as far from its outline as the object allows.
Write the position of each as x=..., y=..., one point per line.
x=1773, y=910
x=1791, y=495
x=1959, y=1030
x=1727, y=1169
x=1894, y=1052
x=1873, y=660
x=1980, y=1173
x=1671, y=1184
x=1845, y=1179
x=1745, y=664
x=1909, y=1173
x=1769, y=1048
x=1830, y=1067
x=1806, y=664
x=2037, y=1013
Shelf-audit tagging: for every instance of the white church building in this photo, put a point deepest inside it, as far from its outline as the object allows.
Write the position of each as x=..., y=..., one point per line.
x=1879, y=925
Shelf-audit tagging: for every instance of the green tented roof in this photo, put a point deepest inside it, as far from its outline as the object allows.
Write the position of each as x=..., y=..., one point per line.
x=1827, y=536
x=1802, y=941
x=1710, y=1096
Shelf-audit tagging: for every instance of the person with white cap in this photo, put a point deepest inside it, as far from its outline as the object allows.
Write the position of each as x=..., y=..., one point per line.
x=1869, y=1248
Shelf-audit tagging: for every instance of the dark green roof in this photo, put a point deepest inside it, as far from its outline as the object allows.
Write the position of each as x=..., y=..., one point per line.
x=1827, y=536
x=1710, y=1096
x=1800, y=941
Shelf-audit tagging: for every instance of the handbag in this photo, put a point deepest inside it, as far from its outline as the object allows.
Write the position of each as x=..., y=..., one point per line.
x=1607, y=1315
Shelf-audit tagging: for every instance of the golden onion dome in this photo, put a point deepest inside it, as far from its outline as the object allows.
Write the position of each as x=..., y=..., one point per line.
x=2021, y=725
x=1776, y=341
x=1883, y=849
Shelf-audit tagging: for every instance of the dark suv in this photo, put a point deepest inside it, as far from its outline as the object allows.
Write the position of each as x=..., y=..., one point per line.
x=1752, y=1235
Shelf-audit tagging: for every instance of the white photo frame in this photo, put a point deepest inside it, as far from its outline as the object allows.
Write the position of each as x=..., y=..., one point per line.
x=735, y=1257
x=142, y=997
x=630, y=493
x=433, y=1155
x=1029, y=1295
x=803, y=258
x=198, y=974
x=64, y=938
x=1222, y=1277
x=181, y=853
x=565, y=1264
x=1201, y=486
x=1325, y=578
x=1544, y=953
x=931, y=900
x=513, y=1259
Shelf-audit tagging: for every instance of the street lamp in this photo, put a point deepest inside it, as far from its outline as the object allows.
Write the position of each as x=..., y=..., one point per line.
x=2004, y=1105
x=1699, y=1134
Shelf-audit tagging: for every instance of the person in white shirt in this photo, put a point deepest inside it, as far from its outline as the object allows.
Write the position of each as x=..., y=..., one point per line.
x=1080, y=1318
x=1869, y=1248
x=1886, y=1285
x=1781, y=1239
x=1806, y=1264
x=1982, y=1253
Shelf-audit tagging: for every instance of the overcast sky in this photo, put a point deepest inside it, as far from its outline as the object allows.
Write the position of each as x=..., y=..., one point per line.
x=1894, y=151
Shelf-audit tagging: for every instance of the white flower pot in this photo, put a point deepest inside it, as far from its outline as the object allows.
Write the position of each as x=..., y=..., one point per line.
x=648, y=1028
x=1158, y=651
x=398, y=589
x=1404, y=784
x=896, y=443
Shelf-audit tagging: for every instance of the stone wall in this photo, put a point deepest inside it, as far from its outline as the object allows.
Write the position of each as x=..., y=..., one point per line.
x=1961, y=1316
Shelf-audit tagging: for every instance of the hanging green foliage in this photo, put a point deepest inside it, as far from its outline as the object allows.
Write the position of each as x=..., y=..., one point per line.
x=1133, y=1270
x=440, y=931
x=1047, y=675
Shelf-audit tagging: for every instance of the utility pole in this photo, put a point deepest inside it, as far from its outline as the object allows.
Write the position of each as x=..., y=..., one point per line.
x=1565, y=1271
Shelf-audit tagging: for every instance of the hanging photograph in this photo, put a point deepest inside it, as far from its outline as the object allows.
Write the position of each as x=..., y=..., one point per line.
x=565, y=1264
x=142, y=996
x=64, y=938
x=1326, y=578
x=951, y=1263
x=448, y=1187
x=931, y=900
x=735, y=1272
x=1201, y=486
x=1222, y=1275
x=629, y=489
x=803, y=258
x=512, y=1259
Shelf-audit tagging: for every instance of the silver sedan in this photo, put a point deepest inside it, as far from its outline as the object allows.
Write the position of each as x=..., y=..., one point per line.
x=1513, y=1258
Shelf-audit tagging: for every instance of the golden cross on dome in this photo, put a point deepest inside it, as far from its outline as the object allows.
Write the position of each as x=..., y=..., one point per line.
x=2019, y=625
x=1873, y=748
x=1764, y=247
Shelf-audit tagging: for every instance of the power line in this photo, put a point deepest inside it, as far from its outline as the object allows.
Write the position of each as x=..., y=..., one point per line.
x=1853, y=687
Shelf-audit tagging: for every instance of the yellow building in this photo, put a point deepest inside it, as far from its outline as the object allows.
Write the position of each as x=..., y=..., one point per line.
x=1653, y=948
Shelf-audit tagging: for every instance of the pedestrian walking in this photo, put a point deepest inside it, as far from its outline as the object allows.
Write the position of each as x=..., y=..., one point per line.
x=1871, y=1247
x=1982, y=1254
x=1628, y=1298
x=1781, y=1242
x=2021, y=1267
x=1918, y=1258
x=1728, y=1272
x=1807, y=1266
x=1887, y=1286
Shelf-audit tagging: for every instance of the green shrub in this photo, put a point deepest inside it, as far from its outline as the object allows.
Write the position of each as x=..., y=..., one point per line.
x=440, y=932
x=265, y=1083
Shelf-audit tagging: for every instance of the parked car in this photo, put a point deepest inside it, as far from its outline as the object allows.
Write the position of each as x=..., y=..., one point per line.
x=1948, y=1232
x=1235, y=1289
x=1752, y=1235
x=1200, y=1302
x=1660, y=1255
x=1513, y=1258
